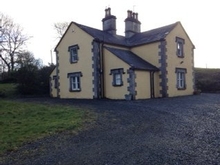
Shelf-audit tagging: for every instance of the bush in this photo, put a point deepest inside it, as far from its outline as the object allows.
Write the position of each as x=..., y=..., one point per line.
x=33, y=81
x=207, y=80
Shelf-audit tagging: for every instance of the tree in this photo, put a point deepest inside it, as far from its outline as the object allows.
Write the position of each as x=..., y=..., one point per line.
x=60, y=28
x=27, y=58
x=12, y=41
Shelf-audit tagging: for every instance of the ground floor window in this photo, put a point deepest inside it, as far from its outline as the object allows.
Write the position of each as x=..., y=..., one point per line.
x=74, y=81
x=55, y=81
x=117, y=76
x=181, y=78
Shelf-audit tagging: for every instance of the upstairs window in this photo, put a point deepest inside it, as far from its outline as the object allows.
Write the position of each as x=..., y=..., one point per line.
x=73, y=53
x=74, y=81
x=117, y=76
x=181, y=78
x=180, y=47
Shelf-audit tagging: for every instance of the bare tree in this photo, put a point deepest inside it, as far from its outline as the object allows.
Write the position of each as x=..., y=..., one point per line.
x=12, y=41
x=27, y=58
x=60, y=28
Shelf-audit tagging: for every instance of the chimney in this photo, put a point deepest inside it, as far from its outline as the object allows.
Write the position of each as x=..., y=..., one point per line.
x=132, y=24
x=109, y=22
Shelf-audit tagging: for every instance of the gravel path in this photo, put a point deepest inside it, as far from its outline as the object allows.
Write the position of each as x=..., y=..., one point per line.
x=170, y=131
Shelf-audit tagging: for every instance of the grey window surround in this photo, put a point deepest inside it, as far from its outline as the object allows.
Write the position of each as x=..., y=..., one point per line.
x=181, y=78
x=74, y=81
x=180, y=47
x=55, y=81
x=73, y=50
x=117, y=77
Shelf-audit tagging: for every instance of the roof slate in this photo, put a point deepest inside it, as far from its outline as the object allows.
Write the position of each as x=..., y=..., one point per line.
x=132, y=59
x=138, y=39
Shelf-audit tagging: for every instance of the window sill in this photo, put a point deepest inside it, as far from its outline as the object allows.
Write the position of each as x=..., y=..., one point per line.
x=75, y=90
x=180, y=56
x=181, y=88
x=73, y=62
x=118, y=85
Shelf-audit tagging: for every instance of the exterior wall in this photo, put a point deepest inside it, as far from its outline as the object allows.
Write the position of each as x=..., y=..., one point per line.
x=53, y=90
x=157, y=87
x=173, y=62
x=113, y=62
x=74, y=36
x=143, y=84
x=150, y=53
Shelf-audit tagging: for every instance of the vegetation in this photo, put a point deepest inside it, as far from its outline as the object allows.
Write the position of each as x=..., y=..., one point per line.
x=207, y=80
x=12, y=42
x=7, y=90
x=25, y=122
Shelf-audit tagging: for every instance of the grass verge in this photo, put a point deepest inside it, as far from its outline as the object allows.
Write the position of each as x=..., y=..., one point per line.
x=25, y=122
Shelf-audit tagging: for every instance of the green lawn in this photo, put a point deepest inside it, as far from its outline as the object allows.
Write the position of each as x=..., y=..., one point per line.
x=24, y=122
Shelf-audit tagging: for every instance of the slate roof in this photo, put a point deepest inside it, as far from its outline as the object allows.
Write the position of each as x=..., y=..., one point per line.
x=138, y=39
x=132, y=59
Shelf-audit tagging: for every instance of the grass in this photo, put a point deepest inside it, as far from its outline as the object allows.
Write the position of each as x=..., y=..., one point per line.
x=26, y=122
x=7, y=90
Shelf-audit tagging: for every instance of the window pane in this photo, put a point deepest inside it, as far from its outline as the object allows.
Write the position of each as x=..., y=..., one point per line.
x=180, y=49
x=180, y=79
x=75, y=83
x=73, y=53
x=117, y=79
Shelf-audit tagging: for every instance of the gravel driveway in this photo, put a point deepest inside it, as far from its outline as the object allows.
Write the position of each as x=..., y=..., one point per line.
x=169, y=131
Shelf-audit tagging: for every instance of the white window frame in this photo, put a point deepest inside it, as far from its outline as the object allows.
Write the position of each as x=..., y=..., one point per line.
x=73, y=53
x=181, y=78
x=117, y=76
x=74, y=81
x=180, y=47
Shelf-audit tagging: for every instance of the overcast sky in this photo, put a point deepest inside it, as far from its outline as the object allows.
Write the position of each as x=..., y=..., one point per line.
x=199, y=18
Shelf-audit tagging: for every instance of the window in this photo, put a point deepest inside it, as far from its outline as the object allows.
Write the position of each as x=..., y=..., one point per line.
x=117, y=76
x=180, y=47
x=74, y=80
x=55, y=81
x=181, y=78
x=73, y=53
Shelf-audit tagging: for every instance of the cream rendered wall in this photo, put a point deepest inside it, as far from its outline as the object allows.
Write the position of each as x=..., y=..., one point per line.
x=157, y=86
x=150, y=54
x=74, y=36
x=113, y=62
x=143, y=84
x=53, y=91
x=174, y=62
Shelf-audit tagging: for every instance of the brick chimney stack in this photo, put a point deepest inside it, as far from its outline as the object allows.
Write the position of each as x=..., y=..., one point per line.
x=109, y=22
x=132, y=24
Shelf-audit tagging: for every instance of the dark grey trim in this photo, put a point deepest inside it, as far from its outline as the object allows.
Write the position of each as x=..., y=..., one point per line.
x=57, y=73
x=163, y=68
x=193, y=70
x=96, y=67
x=74, y=74
x=78, y=74
x=181, y=42
x=55, y=81
x=181, y=70
x=75, y=47
x=131, y=85
x=114, y=72
x=152, y=93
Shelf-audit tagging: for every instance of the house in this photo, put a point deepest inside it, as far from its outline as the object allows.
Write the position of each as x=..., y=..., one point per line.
x=95, y=64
